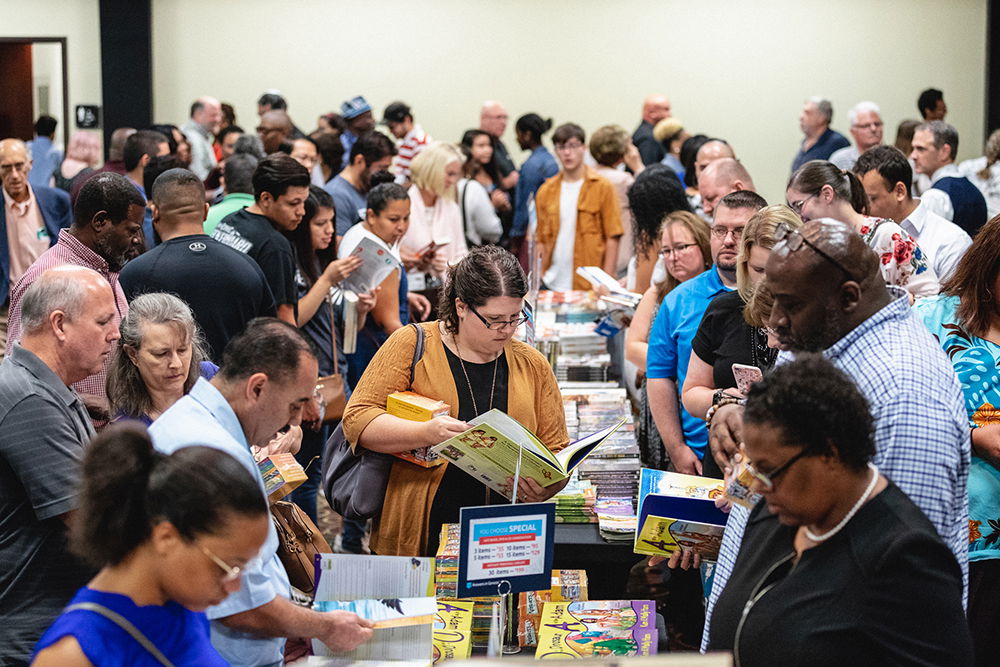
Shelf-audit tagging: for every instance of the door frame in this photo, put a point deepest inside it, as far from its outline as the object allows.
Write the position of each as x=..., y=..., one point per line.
x=67, y=118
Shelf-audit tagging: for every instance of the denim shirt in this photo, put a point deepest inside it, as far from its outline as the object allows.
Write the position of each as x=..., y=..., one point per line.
x=538, y=168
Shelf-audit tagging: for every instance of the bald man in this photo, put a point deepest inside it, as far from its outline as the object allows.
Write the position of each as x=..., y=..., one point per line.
x=711, y=150
x=830, y=297
x=69, y=327
x=654, y=109
x=275, y=131
x=721, y=177
x=224, y=287
x=30, y=217
x=493, y=119
x=200, y=129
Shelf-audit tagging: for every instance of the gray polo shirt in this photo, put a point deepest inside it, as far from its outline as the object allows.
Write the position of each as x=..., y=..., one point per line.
x=44, y=428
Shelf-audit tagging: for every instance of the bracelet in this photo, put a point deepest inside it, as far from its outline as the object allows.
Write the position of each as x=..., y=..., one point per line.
x=726, y=400
x=720, y=395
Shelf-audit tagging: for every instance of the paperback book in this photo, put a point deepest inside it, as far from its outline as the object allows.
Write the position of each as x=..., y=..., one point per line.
x=597, y=629
x=677, y=512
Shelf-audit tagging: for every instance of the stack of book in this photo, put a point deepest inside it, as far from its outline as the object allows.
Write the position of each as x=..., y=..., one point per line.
x=484, y=609
x=597, y=629
x=575, y=503
x=567, y=586
x=616, y=519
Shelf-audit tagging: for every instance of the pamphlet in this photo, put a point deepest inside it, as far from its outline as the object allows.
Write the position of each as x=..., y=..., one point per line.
x=377, y=262
x=598, y=277
x=597, y=628
x=453, y=630
x=678, y=511
x=386, y=612
x=489, y=451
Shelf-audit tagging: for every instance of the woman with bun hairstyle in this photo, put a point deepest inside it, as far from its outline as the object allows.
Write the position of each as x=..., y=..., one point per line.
x=538, y=168
x=170, y=534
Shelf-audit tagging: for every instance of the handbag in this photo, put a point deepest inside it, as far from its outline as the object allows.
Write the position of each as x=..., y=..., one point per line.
x=330, y=388
x=125, y=625
x=299, y=540
x=355, y=483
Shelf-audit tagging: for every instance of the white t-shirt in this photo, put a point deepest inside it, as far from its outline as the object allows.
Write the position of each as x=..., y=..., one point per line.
x=353, y=237
x=559, y=276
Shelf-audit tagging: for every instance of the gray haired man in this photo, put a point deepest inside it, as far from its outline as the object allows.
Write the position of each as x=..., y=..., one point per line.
x=820, y=141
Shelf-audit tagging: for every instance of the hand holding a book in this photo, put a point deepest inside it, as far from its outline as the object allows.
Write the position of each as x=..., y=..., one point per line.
x=530, y=491
x=339, y=269
x=725, y=434
x=441, y=428
x=288, y=442
x=343, y=630
x=684, y=559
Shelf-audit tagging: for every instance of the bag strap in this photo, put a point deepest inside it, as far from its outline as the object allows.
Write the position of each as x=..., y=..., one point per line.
x=418, y=350
x=333, y=335
x=125, y=625
x=461, y=201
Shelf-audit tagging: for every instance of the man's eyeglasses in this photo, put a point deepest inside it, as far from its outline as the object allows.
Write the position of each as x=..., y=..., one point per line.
x=232, y=572
x=766, y=480
x=500, y=324
x=676, y=250
x=21, y=167
x=793, y=239
x=569, y=146
x=869, y=126
x=720, y=232
x=797, y=205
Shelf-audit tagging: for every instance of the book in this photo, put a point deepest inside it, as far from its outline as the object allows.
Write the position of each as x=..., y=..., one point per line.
x=678, y=511
x=282, y=474
x=453, y=630
x=377, y=262
x=567, y=586
x=597, y=628
x=598, y=277
x=386, y=612
x=491, y=448
x=350, y=305
x=413, y=406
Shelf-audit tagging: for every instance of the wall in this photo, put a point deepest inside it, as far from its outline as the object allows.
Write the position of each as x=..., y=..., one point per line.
x=77, y=20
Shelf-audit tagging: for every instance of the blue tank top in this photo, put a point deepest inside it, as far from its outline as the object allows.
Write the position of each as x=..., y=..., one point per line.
x=180, y=634
x=371, y=336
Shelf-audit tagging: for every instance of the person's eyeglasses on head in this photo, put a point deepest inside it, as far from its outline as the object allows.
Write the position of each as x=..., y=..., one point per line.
x=794, y=240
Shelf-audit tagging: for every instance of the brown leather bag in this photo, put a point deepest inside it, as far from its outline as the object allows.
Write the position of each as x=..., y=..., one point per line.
x=299, y=540
x=330, y=388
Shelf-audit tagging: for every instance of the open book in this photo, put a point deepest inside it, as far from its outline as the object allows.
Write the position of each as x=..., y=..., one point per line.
x=377, y=262
x=678, y=511
x=489, y=451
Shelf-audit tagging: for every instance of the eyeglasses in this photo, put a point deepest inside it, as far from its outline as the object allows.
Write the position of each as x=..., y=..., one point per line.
x=267, y=130
x=569, y=146
x=232, y=572
x=676, y=250
x=767, y=479
x=869, y=126
x=22, y=167
x=797, y=205
x=720, y=232
x=793, y=239
x=501, y=324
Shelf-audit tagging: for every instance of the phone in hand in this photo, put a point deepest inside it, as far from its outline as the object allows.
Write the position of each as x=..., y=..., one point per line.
x=746, y=376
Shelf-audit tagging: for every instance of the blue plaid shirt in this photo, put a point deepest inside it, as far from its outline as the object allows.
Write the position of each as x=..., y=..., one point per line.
x=921, y=428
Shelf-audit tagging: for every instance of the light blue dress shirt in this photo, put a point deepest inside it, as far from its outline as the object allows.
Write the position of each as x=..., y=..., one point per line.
x=204, y=417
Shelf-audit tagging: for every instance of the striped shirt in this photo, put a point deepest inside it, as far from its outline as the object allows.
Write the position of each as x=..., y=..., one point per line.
x=67, y=250
x=921, y=428
x=414, y=142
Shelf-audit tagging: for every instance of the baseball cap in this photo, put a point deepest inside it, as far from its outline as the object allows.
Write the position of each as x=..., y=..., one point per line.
x=395, y=113
x=354, y=107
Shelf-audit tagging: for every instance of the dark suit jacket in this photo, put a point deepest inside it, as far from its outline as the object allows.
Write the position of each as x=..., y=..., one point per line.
x=56, y=213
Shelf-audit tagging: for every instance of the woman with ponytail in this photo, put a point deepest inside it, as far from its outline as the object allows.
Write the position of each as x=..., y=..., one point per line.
x=471, y=362
x=170, y=534
x=819, y=189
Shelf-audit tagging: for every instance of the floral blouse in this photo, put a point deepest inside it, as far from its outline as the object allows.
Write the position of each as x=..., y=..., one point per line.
x=977, y=364
x=903, y=262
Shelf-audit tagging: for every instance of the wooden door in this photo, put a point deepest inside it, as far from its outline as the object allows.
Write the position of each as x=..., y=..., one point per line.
x=16, y=106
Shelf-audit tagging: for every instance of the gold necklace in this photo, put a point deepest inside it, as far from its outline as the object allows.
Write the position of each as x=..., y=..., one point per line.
x=496, y=362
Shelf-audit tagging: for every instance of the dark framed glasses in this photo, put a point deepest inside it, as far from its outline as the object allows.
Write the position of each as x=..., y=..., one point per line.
x=793, y=239
x=500, y=324
x=766, y=480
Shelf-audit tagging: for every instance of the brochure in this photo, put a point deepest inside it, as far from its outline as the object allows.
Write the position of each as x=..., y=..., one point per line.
x=678, y=511
x=489, y=451
x=597, y=628
x=377, y=262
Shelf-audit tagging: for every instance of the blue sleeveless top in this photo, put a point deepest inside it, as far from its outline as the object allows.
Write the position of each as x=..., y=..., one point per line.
x=180, y=634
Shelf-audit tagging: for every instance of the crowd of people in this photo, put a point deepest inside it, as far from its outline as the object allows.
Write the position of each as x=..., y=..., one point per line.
x=167, y=315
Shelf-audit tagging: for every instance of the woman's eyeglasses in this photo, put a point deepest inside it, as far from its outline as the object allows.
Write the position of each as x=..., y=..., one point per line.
x=793, y=239
x=766, y=480
x=676, y=250
x=500, y=324
x=232, y=572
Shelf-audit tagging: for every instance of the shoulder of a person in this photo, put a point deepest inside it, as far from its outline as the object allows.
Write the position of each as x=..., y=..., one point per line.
x=529, y=355
x=46, y=195
x=893, y=525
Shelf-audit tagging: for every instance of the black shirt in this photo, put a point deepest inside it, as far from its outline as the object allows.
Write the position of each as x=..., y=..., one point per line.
x=885, y=590
x=225, y=288
x=458, y=488
x=651, y=150
x=255, y=235
x=502, y=158
x=724, y=338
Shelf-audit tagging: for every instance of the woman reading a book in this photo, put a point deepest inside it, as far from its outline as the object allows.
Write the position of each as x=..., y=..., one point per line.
x=471, y=362
x=837, y=565
x=170, y=534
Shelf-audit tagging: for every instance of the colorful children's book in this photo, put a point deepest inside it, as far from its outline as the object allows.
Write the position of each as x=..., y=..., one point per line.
x=453, y=630
x=281, y=473
x=490, y=449
x=597, y=628
x=678, y=511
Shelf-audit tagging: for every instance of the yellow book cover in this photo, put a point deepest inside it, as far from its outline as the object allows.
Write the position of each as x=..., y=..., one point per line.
x=413, y=406
x=596, y=629
x=453, y=630
x=282, y=474
x=661, y=536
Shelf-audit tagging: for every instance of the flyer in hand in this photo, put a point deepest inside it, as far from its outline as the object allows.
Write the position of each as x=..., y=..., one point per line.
x=597, y=628
x=678, y=511
x=489, y=451
x=377, y=262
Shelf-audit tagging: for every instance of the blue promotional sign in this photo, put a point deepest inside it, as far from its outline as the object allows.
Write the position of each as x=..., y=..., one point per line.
x=505, y=549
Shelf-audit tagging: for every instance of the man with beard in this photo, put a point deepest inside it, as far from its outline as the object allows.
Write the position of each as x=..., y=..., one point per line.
x=684, y=435
x=830, y=297
x=370, y=153
x=107, y=228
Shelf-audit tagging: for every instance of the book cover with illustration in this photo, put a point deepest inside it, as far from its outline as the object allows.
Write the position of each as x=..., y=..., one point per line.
x=596, y=629
x=413, y=406
x=678, y=511
x=377, y=262
x=453, y=630
x=490, y=449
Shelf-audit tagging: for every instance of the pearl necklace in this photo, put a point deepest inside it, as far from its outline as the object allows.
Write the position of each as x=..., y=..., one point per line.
x=850, y=515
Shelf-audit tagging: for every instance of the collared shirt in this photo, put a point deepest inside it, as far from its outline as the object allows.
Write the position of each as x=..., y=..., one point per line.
x=44, y=429
x=45, y=159
x=202, y=155
x=955, y=198
x=231, y=203
x=67, y=250
x=538, y=168
x=921, y=426
x=347, y=140
x=942, y=241
x=845, y=157
x=824, y=147
x=27, y=235
x=414, y=142
x=670, y=339
x=204, y=417
x=936, y=200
